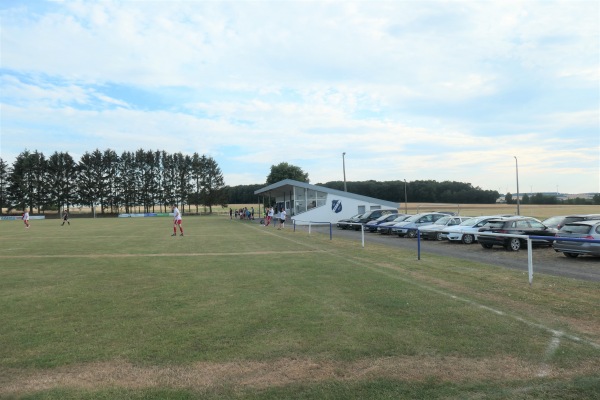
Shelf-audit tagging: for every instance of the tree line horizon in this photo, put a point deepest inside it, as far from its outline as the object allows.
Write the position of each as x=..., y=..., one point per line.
x=152, y=180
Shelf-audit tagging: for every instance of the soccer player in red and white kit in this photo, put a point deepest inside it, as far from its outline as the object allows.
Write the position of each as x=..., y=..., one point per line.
x=177, y=221
x=25, y=219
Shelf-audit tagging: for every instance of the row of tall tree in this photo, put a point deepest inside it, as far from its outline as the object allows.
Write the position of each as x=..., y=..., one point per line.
x=540, y=198
x=429, y=191
x=416, y=191
x=140, y=181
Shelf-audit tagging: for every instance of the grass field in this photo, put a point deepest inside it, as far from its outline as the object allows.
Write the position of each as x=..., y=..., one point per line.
x=119, y=309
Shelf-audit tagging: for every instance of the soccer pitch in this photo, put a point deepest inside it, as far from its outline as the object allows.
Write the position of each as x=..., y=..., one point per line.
x=119, y=309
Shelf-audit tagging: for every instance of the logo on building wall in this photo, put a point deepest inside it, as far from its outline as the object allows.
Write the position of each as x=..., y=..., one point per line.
x=336, y=206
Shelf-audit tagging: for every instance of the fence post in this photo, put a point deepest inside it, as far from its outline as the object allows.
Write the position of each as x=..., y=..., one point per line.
x=530, y=259
x=418, y=244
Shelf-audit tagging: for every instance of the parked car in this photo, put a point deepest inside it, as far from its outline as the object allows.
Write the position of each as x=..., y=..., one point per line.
x=559, y=221
x=409, y=227
x=514, y=226
x=386, y=227
x=434, y=231
x=466, y=231
x=588, y=229
x=371, y=216
x=345, y=223
x=371, y=226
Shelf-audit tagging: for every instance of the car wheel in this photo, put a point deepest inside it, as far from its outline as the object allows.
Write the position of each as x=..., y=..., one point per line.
x=468, y=239
x=487, y=245
x=571, y=255
x=412, y=233
x=514, y=244
x=438, y=236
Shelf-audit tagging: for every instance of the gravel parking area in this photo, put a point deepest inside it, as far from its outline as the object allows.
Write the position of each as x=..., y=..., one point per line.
x=545, y=259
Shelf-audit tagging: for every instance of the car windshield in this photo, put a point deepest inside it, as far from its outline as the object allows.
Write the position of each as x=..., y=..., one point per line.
x=414, y=218
x=575, y=228
x=494, y=224
x=553, y=221
x=383, y=217
x=401, y=218
x=443, y=220
x=469, y=222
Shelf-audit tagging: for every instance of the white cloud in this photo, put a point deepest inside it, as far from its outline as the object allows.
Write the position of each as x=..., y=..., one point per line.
x=417, y=90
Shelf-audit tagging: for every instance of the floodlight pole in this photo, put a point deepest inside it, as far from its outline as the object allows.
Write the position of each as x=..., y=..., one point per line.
x=344, y=167
x=518, y=201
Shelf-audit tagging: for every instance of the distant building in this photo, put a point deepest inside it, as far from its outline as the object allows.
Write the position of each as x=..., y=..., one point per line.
x=311, y=203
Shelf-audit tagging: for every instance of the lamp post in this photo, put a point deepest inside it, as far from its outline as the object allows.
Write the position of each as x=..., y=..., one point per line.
x=405, y=199
x=344, y=166
x=518, y=201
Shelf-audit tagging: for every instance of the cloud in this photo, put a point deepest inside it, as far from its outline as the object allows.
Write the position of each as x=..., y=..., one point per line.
x=412, y=90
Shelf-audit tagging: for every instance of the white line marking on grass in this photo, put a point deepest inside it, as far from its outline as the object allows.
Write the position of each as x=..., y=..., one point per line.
x=255, y=253
x=363, y=263
x=550, y=350
x=542, y=327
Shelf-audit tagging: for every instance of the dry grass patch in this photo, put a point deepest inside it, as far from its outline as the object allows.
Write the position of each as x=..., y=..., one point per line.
x=259, y=375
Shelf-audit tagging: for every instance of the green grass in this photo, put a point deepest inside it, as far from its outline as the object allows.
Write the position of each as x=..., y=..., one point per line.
x=117, y=308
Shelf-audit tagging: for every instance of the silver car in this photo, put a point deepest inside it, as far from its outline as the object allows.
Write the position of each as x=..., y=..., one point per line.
x=589, y=229
x=559, y=221
x=386, y=227
x=410, y=227
x=467, y=231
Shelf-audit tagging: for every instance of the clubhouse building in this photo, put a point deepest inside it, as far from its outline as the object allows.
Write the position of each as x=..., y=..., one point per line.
x=306, y=203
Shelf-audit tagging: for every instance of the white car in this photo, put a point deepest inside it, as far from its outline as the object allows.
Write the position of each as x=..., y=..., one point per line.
x=467, y=231
x=434, y=231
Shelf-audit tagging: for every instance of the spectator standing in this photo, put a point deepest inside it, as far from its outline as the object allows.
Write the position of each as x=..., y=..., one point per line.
x=270, y=214
x=282, y=216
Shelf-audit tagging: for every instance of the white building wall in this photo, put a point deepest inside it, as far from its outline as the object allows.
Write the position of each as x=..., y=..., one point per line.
x=345, y=208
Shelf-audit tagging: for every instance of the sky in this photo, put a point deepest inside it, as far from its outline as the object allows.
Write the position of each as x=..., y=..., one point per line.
x=467, y=91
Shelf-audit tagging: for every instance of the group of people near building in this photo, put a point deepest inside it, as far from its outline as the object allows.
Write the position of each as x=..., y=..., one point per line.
x=242, y=213
x=270, y=214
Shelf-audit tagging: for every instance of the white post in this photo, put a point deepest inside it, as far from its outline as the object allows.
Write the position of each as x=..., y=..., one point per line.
x=530, y=260
x=362, y=232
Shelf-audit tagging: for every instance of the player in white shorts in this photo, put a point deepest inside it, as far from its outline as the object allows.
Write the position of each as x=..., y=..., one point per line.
x=177, y=221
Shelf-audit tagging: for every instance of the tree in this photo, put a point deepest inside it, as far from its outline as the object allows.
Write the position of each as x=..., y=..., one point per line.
x=183, y=169
x=28, y=185
x=3, y=184
x=91, y=182
x=213, y=184
x=168, y=179
x=126, y=183
x=198, y=166
x=286, y=171
x=62, y=174
x=146, y=181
